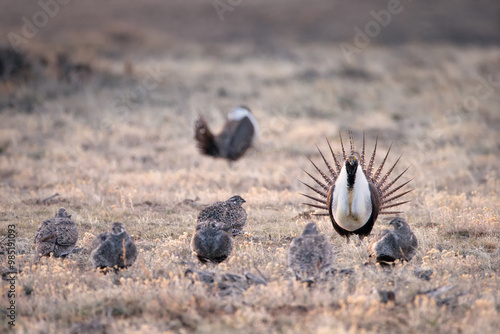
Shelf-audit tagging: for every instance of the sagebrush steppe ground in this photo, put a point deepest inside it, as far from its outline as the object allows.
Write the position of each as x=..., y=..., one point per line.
x=139, y=165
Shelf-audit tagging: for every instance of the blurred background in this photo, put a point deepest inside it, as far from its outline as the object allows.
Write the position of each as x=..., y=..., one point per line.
x=59, y=38
x=124, y=80
x=266, y=26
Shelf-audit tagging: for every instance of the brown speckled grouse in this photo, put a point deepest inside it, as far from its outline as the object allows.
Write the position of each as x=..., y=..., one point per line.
x=229, y=212
x=57, y=235
x=392, y=245
x=117, y=250
x=212, y=242
x=310, y=254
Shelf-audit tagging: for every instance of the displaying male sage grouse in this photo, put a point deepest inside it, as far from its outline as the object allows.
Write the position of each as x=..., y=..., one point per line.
x=117, y=250
x=355, y=194
x=238, y=134
x=310, y=254
x=57, y=235
x=229, y=212
x=212, y=241
x=392, y=245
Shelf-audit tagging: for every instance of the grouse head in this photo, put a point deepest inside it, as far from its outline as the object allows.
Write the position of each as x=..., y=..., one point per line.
x=351, y=164
x=213, y=225
x=62, y=213
x=236, y=200
x=399, y=223
x=117, y=228
x=310, y=229
x=218, y=226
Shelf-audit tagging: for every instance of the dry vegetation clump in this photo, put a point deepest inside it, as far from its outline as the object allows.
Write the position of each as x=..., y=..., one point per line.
x=140, y=166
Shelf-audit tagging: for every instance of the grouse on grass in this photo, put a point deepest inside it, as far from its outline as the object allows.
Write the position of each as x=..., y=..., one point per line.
x=354, y=193
x=310, y=254
x=229, y=212
x=115, y=250
x=56, y=236
x=392, y=245
x=212, y=241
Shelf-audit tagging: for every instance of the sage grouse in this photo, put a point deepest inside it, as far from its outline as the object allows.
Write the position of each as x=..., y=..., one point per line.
x=310, y=254
x=229, y=212
x=355, y=194
x=397, y=244
x=117, y=250
x=238, y=134
x=212, y=241
x=57, y=235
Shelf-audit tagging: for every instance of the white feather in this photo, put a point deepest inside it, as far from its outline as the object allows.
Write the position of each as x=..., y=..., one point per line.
x=237, y=114
x=351, y=207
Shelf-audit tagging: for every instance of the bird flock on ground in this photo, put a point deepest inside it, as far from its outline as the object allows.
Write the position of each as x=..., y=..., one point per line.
x=352, y=193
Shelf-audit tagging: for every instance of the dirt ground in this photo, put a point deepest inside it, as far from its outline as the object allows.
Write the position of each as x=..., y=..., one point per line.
x=109, y=128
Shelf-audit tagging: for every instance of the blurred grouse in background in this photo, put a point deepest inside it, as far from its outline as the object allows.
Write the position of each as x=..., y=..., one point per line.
x=310, y=254
x=354, y=194
x=115, y=250
x=57, y=235
x=212, y=241
x=230, y=213
x=238, y=134
x=392, y=245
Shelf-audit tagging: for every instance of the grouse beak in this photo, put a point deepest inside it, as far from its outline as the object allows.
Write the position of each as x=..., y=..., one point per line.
x=351, y=165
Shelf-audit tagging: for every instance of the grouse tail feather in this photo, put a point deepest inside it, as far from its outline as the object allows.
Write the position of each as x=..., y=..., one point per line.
x=205, y=138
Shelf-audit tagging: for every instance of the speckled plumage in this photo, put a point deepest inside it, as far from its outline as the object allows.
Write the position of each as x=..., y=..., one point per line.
x=212, y=241
x=391, y=245
x=229, y=212
x=310, y=254
x=57, y=235
x=110, y=252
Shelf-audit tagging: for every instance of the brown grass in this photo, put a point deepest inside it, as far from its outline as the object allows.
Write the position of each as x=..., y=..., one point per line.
x=142, y=168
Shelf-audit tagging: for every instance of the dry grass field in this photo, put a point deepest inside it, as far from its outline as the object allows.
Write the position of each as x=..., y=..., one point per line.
x=117, y=144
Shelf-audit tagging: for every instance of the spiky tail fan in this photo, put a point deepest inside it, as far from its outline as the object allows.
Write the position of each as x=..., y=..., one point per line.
x=388, y=192
x=204, y=138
